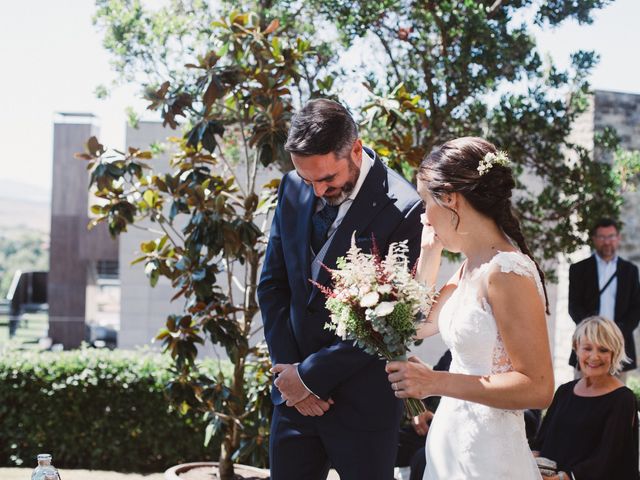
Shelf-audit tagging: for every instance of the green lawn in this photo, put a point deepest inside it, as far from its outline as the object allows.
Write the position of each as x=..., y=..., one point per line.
x=32, y=327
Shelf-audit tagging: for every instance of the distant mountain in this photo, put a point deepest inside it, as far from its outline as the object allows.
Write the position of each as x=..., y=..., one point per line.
x=23, y=206
x=12, y=190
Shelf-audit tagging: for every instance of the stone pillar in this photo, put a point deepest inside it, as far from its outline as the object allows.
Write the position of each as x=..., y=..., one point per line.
x=73, y=247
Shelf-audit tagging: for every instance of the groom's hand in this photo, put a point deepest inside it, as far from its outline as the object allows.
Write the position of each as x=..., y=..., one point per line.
x=289, y=383
x=313, y=406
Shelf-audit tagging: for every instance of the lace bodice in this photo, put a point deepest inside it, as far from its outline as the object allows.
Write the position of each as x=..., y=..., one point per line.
x=468, y=439
x=467, y=324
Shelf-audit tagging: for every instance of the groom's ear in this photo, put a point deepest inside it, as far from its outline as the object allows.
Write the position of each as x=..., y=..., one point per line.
x=356, y=151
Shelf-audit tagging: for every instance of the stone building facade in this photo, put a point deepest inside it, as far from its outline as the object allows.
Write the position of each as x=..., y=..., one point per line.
x=620, y=111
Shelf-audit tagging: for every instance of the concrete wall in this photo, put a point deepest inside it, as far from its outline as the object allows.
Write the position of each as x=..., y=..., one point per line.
x=144, y=309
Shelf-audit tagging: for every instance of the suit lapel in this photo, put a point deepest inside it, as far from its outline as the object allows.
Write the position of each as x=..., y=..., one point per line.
x=620, y=285
x=592, y=278
x=371, y=199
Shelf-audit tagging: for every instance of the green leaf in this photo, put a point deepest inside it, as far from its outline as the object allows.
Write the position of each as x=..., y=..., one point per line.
x=148, y=247
x=94, y=147
x=138, y=260
x=208, y=433
x=150, y=197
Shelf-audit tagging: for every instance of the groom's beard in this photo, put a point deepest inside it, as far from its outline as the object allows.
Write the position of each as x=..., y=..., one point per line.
x=347, y=188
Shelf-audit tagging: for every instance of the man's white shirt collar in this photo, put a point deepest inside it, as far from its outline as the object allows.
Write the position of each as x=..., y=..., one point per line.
x=365, y=166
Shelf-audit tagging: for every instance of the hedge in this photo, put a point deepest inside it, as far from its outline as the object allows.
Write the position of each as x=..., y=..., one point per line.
x=95, y=409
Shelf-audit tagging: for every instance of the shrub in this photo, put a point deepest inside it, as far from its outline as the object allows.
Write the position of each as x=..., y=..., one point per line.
x=95, y=409
x=634, y=384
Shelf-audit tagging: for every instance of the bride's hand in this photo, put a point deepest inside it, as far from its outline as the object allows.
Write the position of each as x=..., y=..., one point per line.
x=429, y=243
x=411, y=379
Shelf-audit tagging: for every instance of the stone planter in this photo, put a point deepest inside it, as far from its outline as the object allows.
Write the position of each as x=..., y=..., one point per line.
x=209, y=471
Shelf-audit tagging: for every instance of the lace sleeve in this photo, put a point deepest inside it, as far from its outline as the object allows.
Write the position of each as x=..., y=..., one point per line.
x=520, y=264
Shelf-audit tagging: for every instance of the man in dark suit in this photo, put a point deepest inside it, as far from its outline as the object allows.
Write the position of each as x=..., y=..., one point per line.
x=333, y=404
x=605, y=284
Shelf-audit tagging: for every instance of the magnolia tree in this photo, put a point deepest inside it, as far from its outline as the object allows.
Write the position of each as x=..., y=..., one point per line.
x=455, y=68
x=235, y=111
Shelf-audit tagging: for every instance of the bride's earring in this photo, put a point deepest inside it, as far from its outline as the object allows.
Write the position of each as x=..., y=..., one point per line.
x=454, y=217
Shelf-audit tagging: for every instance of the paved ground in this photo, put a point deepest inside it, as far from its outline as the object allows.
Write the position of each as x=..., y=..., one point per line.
x=25, y=474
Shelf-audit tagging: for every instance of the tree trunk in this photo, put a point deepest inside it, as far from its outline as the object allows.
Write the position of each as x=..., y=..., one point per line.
x=225, y=465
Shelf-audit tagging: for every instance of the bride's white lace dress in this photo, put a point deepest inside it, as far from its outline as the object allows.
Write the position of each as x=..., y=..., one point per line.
x=468, y=440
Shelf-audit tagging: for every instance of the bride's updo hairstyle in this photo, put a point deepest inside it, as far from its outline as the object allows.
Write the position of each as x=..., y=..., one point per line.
x=460, y=166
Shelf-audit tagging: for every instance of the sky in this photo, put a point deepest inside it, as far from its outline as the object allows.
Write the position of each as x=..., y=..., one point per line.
x=53, y=60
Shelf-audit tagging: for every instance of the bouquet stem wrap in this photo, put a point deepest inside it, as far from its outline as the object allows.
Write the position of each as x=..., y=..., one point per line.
x=413, y=406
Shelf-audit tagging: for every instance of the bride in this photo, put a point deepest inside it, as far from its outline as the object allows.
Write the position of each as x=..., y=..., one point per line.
x=491, y=315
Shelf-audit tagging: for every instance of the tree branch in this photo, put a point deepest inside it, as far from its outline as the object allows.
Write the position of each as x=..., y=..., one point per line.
x=494, y=8
x=228, y=165
x=387, y=49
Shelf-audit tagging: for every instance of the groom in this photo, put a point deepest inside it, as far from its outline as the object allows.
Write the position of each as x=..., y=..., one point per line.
x=333, y=404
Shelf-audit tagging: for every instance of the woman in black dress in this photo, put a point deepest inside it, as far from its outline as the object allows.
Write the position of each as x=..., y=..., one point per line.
x=591, y=428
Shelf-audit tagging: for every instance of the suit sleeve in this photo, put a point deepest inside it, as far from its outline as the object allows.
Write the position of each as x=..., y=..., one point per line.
x=325, y=369
x=411, y=230
x=274, y=295
x=576, y=309
x=631, y=317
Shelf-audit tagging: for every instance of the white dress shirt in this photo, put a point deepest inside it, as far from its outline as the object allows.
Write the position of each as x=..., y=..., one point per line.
x=608, y=297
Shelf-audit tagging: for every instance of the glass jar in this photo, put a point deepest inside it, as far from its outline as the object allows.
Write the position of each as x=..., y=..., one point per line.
x=45, y=470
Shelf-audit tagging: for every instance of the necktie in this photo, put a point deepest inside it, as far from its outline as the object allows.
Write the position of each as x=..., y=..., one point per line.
x=321, y=222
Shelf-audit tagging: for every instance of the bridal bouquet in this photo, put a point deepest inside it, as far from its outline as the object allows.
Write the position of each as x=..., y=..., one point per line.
x=378, y=304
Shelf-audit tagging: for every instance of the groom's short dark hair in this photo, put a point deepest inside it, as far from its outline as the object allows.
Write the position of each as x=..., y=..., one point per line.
x=320, y=127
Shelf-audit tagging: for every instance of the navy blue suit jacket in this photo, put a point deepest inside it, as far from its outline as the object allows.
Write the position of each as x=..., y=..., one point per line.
x=293, y=313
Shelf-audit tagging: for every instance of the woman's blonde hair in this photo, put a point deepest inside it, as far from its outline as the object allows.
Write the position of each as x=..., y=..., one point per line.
x=604, y=332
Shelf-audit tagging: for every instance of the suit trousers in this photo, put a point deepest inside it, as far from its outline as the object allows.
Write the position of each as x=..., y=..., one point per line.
x=305, y=448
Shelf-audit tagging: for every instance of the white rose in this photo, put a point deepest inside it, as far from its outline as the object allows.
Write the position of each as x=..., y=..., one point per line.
x=384, y=309
x=384, y=289
x=371, y=299
x=341, y=331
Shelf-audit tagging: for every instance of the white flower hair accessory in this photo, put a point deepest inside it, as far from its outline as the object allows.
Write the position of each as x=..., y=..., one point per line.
x=491, y=159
